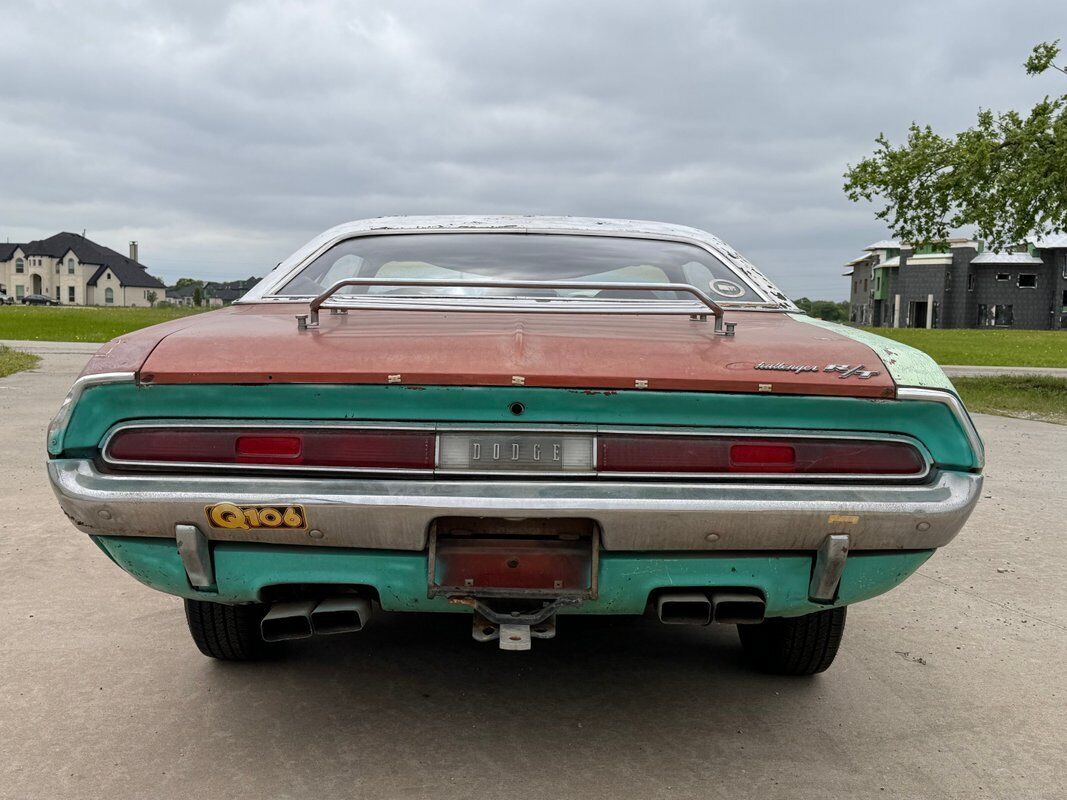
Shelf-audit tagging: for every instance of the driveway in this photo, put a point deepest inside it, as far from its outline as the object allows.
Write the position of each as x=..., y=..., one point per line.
x=951, y=686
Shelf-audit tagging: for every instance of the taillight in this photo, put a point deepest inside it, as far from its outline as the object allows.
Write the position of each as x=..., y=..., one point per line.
x=329, y=448
x=720, y=455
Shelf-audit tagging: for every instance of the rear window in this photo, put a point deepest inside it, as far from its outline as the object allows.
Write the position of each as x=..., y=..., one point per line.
x=463, y=257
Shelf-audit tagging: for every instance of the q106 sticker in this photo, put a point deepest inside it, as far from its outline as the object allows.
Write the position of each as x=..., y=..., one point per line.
x=234, y=517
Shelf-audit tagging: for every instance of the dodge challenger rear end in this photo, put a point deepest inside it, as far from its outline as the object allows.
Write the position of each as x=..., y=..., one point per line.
x=519, y=419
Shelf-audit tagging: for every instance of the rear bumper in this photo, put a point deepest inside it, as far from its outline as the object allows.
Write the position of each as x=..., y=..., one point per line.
x=625, y=580
x=396, y=514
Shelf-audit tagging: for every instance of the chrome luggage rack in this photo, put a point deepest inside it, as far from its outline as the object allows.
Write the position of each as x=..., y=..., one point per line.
x=697, y=311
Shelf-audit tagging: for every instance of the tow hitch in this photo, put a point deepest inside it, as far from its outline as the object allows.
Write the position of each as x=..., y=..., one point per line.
x=514, y=629
x=514, y=574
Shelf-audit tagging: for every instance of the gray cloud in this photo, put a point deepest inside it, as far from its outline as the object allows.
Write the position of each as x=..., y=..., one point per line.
x=224, y=135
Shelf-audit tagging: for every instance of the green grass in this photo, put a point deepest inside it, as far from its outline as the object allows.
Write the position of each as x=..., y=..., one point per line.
x=12, y=361
x=994, y=348
x=1025, y=396
x=81, y=324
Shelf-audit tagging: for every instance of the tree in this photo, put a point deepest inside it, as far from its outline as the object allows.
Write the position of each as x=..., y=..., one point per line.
x=824, y=309
x=1004, y=176
x=198, y=296
x=151, y=297
x=183, y=282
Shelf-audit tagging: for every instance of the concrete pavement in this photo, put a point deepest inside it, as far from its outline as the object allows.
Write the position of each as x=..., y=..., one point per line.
x=951, y=686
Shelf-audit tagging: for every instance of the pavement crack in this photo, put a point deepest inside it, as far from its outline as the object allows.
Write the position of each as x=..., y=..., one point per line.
x=992, y=602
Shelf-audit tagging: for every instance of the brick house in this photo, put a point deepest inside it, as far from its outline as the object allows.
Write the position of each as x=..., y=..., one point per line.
x=73, y=270
x=958, y=284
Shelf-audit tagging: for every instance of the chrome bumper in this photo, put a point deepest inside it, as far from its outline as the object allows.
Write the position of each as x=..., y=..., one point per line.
x=396, y=514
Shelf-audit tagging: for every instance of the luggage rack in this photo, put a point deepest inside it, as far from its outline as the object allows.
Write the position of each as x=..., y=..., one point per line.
x=697, y=311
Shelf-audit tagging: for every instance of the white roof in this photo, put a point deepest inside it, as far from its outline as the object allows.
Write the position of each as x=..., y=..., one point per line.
x=885, y=244
x=1048, y=242
x=893, y=262
x=859, y=259
x=514, y=223
x=1006, y=258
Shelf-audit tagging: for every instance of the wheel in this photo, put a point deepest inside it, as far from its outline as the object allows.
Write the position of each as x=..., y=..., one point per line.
x=229, y=633
x=794, y=645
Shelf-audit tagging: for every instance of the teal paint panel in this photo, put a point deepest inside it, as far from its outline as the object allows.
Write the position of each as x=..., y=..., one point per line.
x=908, y=366
x=625, y=579
x=103, y=406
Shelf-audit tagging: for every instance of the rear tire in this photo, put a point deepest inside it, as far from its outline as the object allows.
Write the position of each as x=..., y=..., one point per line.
x=228, y=633
x=794, y=645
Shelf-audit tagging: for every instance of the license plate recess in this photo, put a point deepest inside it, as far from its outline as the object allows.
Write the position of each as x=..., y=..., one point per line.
x=486, y=558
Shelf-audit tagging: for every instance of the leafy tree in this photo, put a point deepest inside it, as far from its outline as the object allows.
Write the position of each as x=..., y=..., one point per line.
x=151, y=297
x=183, y=282
x=1005, y=176
x=824, y=309
x=198, y=296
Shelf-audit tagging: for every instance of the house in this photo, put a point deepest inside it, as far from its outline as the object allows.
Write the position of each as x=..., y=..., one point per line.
x=959, y=284
x=74, y=270
x=212, y=293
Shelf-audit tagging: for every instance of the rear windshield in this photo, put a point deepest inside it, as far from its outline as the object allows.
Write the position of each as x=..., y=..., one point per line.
x=462, y=257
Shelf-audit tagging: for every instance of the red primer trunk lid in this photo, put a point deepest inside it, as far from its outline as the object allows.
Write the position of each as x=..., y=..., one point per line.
x=261, y=344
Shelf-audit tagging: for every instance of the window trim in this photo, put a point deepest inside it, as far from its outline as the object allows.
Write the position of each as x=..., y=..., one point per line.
x=1019, y=280
x=1003, y=276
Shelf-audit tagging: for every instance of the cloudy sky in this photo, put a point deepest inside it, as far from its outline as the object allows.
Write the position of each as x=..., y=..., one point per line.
x=224, y=135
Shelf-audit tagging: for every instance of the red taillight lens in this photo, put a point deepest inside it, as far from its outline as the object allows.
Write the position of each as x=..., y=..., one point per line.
x=343, y=448
x=713, y=454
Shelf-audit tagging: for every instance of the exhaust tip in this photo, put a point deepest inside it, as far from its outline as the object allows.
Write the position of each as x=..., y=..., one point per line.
x=340, y=615
x=287, y=621
x=738, y=608
x=684, y=608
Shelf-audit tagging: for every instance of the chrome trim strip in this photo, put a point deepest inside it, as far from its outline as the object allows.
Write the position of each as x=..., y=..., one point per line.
x=958, y=409
x=397, y=513
x=266, y=292
x=512, y=428
x=57, y=428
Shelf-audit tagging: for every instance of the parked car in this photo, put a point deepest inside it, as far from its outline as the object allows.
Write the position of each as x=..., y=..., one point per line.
x=38, y=300
x=6, y=299
x=519, y=419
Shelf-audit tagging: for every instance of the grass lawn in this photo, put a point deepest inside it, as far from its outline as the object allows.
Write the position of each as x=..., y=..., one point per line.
x=12, y=361
x=994, y=348
x=81, y=324
x=1025, y=396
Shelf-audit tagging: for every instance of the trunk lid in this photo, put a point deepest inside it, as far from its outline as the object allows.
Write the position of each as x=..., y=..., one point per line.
x=261, y=344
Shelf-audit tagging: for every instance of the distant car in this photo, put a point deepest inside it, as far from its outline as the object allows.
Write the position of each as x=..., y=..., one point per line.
x=38, y=300
x=6, y=299
x=514, y=418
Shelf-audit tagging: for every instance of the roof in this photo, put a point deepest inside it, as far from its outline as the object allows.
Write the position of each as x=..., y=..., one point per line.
x=892, y=262
x=859, y=259
x=8, y=249
x=516, y=223
x=127, y=271
x=885, y=244
x=1006, y=258
x=1049, y=242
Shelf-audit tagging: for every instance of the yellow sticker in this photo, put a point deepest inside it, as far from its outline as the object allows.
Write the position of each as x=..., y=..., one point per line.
x=234, y=517
x=843, y=519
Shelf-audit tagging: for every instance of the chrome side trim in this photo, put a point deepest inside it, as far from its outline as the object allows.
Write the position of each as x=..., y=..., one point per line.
x=397, y=513
x=57, y=428
x=511, y=428
x=958, y=410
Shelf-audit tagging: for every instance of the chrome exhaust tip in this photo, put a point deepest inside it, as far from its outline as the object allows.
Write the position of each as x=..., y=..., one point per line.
x=684, y=608
x=287, y=621
x=738, y=608
x=340, y=615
